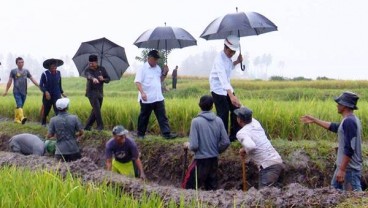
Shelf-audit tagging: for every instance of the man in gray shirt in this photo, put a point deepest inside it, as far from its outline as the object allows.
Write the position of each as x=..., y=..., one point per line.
x=66, y=128
x=349, y=162
x=208, y=138
x=19, y=75
x=28, y=144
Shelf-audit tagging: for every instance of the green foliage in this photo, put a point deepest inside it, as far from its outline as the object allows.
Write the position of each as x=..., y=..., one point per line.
x=27, y=188
x=278, y=105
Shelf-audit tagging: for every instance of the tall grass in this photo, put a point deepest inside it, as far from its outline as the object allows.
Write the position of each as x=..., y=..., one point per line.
x=277, y=105
x=26, y=188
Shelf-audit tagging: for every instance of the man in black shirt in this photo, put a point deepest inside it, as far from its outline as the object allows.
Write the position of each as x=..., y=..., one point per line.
x=96, y=76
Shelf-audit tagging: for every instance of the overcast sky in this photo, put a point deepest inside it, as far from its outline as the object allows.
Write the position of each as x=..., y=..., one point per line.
x=314, y=38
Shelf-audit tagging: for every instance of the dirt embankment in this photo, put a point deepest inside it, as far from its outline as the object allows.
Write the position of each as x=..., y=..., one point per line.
x=302, y=184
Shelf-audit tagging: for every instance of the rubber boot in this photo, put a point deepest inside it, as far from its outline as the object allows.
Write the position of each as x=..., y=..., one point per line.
x=21, y=116
x=16, y=116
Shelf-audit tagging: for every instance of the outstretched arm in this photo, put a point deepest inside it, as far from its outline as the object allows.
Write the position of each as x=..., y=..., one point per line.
x=308, y=119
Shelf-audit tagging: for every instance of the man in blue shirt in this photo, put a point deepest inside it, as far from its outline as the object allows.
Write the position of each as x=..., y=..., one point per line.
x=50, y=85
x=349, y=162
x=122, y=155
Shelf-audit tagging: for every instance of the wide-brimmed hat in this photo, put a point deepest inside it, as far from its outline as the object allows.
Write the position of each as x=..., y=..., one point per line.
x=52, y=61
x=244, y=113
x=348, y=99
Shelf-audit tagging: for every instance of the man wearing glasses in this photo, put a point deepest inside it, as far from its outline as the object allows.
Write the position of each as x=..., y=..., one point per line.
x=221, y=89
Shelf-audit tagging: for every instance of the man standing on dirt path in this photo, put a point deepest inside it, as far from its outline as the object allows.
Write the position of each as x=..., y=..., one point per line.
x=50, y=85
x=349, y=162
x=256, y=145
x=148, y=81
x=67, y=129
x=221, y=89
x=96, y=78
x=208, y=138
x=19, y=75
x=122, y=155
x=29, y=144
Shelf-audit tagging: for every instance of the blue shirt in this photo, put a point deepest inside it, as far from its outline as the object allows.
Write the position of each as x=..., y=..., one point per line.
x=123, y=153
x=51, y=82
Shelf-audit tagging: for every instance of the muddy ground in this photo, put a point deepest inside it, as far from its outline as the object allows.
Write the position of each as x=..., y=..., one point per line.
x=303, y=184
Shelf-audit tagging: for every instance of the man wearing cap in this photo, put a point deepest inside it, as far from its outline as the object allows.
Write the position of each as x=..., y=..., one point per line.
x=349, y=162
x=96, y=77
x=256, y=145
x=221, y=89
x=208, y=138
x=50, y=85
x=122, y=154
x=19, y=75
x=148, y=81
x=65, y=128
x=29, y=144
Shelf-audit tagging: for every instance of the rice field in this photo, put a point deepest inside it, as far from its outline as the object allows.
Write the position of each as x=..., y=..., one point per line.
x=27, y=188
x=278, y=105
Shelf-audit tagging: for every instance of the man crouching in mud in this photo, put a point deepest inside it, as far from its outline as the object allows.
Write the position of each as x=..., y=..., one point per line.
x=125, y=152
x=256, y=144
x=208, y=138
x=349, y=160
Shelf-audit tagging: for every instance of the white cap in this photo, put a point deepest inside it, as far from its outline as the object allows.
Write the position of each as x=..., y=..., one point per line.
x=62, y=103
x=232, y=42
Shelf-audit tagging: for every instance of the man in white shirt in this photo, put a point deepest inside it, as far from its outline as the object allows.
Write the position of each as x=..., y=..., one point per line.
x=259, y=149
x=148, y=81
x=221, y=89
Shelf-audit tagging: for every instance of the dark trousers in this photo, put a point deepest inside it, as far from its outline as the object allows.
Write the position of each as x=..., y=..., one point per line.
x=96, y=103
x=206, y=174
x=160, y=112
x=270, y=176
x=174, y=81
x=47, y=104
x=223, y=107
x=69, y=158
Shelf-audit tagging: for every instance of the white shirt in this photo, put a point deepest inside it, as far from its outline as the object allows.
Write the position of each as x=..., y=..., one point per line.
x=257, y=146
x=220, y=74
x=150, y=79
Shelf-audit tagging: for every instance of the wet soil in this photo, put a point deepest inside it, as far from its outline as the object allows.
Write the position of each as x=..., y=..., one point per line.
x=302, y=185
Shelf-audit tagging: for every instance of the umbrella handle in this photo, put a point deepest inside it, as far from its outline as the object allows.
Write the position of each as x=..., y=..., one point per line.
x=242, y=66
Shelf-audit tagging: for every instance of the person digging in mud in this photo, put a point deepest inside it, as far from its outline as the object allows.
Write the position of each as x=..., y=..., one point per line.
x=122, y=155
x=349, y=162
x=66, y=128
x=29, y=144
x=256, y=145
x=208, y=138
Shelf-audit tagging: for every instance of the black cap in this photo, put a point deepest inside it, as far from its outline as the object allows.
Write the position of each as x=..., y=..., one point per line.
x=348, y=99
x=154, y=54
x=92, y=58
x=244, y=114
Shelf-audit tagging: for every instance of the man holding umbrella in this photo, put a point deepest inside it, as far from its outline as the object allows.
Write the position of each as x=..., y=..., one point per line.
x=96, y=77
x=148, y=81
x=221, y=89
x=50, y=85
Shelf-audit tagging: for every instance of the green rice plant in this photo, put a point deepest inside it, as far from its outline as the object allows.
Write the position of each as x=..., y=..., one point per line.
x=27, y=188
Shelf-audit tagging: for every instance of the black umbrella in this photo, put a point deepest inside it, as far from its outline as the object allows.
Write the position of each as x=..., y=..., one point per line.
x=110, y=55
x=165, y=38
x=239, y=24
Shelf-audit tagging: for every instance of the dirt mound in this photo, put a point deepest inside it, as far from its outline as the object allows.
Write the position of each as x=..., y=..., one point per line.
x=293, y=195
